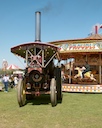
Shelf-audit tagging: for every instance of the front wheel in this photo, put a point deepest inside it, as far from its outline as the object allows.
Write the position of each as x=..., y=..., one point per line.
x=21, y=96
x=53, y=92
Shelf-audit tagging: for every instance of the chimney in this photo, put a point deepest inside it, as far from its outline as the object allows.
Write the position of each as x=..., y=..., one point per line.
x=37, y=26
x=96, y=29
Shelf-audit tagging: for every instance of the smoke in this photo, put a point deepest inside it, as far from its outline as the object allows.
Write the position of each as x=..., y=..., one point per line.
x=54, y=7
x=47, y=8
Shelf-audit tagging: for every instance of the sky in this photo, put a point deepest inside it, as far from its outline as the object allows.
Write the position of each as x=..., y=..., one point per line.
x=60, y=20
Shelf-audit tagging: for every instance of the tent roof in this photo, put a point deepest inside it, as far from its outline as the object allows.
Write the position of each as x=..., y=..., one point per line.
x=13, y=66
x=94, y=36
x=89, y=39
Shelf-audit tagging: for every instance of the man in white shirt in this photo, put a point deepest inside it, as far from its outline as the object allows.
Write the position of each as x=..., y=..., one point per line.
x=6, y=81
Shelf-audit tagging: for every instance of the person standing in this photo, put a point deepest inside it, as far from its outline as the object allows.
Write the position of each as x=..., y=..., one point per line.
x=6, y=82
x=15, y=81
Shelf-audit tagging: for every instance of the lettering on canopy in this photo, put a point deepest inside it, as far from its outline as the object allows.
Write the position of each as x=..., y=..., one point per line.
x=81, y=46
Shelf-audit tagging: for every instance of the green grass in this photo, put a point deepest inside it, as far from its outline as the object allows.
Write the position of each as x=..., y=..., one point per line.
x=77, y=110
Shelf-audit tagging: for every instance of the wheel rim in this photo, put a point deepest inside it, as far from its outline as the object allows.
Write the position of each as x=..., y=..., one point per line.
x=53, y=92
x=59, y=84
x=23, y=92
x=21, y=96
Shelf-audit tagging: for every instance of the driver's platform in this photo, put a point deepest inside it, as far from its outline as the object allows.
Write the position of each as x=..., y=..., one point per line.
x=81, y=88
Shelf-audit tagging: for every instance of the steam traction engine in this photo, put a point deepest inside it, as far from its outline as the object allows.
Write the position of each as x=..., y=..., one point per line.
x=41, y=75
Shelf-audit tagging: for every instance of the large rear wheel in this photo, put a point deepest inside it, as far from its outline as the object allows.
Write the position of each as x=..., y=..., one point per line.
x=53, y=92
x=21, y=96
x=58, y=83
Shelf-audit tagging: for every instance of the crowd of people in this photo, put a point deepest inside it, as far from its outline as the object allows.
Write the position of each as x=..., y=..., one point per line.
x=10, y=81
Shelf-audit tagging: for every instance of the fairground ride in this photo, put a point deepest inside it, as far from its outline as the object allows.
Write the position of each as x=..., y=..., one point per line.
x=81, y=50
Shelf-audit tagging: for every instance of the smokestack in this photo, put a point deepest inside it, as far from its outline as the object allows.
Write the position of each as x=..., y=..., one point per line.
x=37, y=26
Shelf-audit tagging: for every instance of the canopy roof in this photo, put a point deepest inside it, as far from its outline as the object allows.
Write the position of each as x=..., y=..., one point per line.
x=91, y=38
x=20, y=50
x=73, y=47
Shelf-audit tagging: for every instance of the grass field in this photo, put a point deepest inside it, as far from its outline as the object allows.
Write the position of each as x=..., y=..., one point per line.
x=77, y=110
